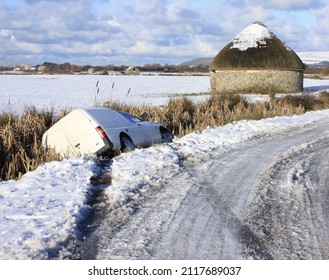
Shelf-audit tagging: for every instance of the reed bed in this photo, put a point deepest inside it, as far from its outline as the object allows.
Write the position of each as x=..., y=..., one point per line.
x=20, y=136
x=182, y=116
x=20, y=142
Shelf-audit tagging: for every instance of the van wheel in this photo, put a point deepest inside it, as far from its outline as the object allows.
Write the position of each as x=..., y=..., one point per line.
x=127, y=144
x=166, y=137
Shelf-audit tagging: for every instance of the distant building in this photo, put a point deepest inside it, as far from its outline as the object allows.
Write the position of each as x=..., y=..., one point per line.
x=256, y=61
x=91, y=70
x=132, y=70
x=42, y=69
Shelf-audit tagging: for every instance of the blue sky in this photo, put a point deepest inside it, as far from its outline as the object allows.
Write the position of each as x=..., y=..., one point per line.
x=137, y=32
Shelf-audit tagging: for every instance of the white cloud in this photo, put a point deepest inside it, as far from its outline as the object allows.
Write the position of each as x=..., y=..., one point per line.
x=320, y=38
x=142, y=47
x=113, y=23
x=181, y=10
x=291, y=4
x=172, y=30
x=28, y=48
x=205, y=49
x=323, y=19
x=5, y=33
x=80, y=48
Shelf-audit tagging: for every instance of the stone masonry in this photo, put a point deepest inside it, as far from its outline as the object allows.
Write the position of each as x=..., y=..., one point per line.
x=256, y=81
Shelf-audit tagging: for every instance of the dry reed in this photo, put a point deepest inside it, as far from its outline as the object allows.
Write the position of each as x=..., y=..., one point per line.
x=20, y=142
x=20, y=136
x=182, y=116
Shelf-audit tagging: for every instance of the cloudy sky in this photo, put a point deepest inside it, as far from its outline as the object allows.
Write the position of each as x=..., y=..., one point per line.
x=136, y=32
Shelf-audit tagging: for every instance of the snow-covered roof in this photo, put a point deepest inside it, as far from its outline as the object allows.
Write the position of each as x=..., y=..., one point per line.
x=256, y=47
x=253, y=36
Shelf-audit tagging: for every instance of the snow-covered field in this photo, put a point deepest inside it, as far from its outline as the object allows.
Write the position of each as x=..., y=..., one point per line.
x=57, y=92
x=42, y=212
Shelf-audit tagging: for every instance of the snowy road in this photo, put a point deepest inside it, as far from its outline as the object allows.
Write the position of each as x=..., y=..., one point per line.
x=264, y=198
x=250, y=189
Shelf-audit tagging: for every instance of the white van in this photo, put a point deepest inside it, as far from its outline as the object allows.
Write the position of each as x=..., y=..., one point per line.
x=100, y=131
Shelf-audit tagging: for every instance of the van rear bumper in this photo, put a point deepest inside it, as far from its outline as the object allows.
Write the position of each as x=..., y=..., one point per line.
x=106, y=148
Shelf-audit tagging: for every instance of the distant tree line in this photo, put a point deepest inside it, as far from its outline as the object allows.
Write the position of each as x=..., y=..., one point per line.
x=6, y=68
x=67, y=67
x=317, y=71
x=166, y=68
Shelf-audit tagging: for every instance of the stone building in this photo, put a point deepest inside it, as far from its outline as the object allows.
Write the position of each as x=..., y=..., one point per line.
x=91, y=70
x=256, y=61
x=42, y=69
x=132, y=70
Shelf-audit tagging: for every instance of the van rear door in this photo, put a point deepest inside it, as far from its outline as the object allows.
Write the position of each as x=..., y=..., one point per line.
x=82, y=134
x=55, y=138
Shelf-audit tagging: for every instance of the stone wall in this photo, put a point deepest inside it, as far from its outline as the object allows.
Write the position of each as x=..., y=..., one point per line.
x=256, y=81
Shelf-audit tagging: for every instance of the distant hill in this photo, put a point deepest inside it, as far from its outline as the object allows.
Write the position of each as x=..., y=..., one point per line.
x=198, y=61
x=316, y=59
x=322, y=64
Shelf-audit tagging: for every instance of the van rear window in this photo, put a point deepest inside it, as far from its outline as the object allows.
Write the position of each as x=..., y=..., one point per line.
x=130, y=117
x=108, y=118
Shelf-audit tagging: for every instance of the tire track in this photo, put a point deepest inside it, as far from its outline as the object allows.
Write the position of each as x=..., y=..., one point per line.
x=288, y=209
x=251, y=200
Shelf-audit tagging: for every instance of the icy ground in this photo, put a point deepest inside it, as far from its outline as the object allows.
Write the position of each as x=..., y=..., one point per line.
x=229, y=192
x=255, y=189
x=59, y=92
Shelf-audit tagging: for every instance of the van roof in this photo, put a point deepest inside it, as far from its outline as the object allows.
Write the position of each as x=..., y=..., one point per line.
x=96, y=109
x=91, y=111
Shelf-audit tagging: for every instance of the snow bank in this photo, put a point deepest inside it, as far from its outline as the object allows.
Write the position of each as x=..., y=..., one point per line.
x=41, y=210
x=134, y=173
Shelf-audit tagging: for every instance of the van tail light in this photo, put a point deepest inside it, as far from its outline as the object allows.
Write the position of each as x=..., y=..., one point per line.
x=108, y=145
x=101, y=132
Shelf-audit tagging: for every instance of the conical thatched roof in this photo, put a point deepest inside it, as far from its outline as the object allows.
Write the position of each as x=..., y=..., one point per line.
x=256, y=48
